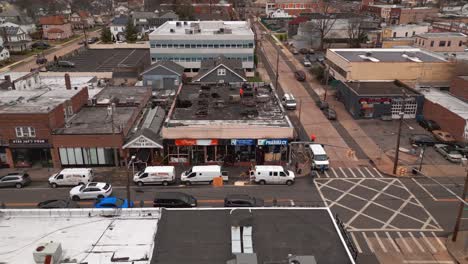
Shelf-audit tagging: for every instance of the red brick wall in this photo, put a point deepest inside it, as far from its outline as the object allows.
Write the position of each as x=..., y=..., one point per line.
x=40, y=122
x=447, y=120
x=412, y=15
x=459, y=87
x=80, y=99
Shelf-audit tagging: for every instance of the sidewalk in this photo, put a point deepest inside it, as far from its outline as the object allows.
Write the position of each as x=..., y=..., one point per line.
x=459, y=249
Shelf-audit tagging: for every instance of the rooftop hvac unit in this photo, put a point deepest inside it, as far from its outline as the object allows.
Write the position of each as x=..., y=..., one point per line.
x=178, y=24
x=54, y=250
x=188, y=31
x=172, y=30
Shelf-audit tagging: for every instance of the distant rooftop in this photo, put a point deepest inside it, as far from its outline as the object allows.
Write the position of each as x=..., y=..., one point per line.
x=218, y=28
x=387, y=55
x=387, y=88
x=123, y=95
x=208, y=236
x=442, y=35
x=447, y=101
x=196, y=104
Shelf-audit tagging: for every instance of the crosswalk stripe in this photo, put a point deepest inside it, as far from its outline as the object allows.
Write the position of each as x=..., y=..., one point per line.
x=378, y=172
x=358, y=247
x=317, y=174
x=327, y=175
x=380, y=242
x=342, y=171
x=352, y=172
x=416, y=242
x=392, y=242
x=404, y=242
x=370, y=173
x=369, y=244
x=334, y=172
x=439, y=241
x=428, y=242
x=364, y=176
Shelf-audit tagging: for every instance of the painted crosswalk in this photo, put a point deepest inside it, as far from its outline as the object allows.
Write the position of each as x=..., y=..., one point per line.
x=400, y=242
x=357, y=172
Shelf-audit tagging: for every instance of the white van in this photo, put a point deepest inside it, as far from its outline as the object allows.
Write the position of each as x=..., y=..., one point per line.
x=288, y=101
x=71, y=177
x=319, y=157
x=202, y=174
x=264, y=174
x=155, y=175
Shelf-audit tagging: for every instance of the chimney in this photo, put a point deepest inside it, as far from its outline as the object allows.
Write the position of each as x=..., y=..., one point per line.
x=67, y=81
x=9, y=82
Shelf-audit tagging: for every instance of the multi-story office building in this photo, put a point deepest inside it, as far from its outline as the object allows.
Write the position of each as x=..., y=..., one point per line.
x=189, y=42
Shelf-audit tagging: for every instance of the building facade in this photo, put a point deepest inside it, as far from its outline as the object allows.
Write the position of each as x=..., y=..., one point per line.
x=293, y=7
x=442, y=41
x=189, y=42
x=459, y=87
x=55, y=27
x=404, y=31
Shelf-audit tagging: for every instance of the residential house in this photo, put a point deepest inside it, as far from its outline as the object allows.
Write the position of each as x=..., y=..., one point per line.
x=4, y=53
x=118, y=26
x=55, y=27
x=121, y=10
x=10, y=13
x=442, y=41
x=163, y=75
x=397, y=14
x=145, y=21
x=400, y=35
x=82, y=19
x=15, y=39
x=221, y=70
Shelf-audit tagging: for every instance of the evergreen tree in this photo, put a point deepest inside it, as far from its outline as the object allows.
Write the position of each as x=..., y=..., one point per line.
x=106, y=35
x=130, y=32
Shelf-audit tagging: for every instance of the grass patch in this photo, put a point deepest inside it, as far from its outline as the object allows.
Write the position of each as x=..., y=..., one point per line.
x=256, y=78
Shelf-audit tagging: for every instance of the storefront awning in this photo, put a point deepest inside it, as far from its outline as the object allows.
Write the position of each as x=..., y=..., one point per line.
x=144, y=139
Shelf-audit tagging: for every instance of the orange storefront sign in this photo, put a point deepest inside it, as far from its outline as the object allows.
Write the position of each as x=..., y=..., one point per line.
x=196, y=142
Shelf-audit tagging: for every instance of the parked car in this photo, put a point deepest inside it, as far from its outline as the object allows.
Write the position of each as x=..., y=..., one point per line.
x=429, y=125
x=271, y=174
x=443, y=136
x=66, y=64
x=304, y=51
x=93, y=40
x=462, y=147
x=294, y=51
x=449, y=152
x=203, y=174
x=15, y=179
x=71, y=177
x=113, y=202
x=174, y=200
x=300, y=75
x=288, y=101
x=307, y=63
x=155, y=175
x=57, y=204
x=330, y=114
x=40, y=45
x=242, y=200
x=92, y=190
x=41, y=60
x=322, y=104
x=422, y=139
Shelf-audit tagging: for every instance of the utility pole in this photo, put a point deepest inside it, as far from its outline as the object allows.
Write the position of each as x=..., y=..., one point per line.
x=421, y=156
x=397, y=150
x=128, y=180
x=277, y=67
x=85, y=36
x=462, y=206
x=112, y=110
x=326, y=83
x=300, y=110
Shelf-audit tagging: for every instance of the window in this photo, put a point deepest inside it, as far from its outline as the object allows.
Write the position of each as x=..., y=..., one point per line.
x=164, y=45
x=70, y=110
x=423, y=43
x=216, y=46
x=153, y=46
x=414, y=33
x=406, y=34
x=221, y=72
x=449, y=43
x=432, y=43
x=25, y=132
x=158, y=45
x=460, y=43
x=153, y=59
x=442, y=43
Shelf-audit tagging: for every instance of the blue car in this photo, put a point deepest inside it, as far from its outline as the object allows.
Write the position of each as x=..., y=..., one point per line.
x=112, y=202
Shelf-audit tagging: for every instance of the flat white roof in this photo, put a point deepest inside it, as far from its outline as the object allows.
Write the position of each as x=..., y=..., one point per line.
x=85, y=238
x=446, y=100
x=388, y=55
x=207, y=28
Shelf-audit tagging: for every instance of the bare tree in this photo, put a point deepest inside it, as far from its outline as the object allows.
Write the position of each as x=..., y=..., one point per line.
x=355, y=32
x=325, y=23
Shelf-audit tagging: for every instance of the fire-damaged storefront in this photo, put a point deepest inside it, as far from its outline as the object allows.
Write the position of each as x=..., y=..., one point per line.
x=383, y=99
x=30, y=152
x=229, y=151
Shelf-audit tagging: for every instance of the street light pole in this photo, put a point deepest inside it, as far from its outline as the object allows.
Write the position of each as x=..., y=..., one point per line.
x=460, y=208
x=397, y=150
x=277, y=68
x=128, y=180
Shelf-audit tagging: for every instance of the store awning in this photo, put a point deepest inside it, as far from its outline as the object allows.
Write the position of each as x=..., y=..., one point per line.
x=144, y=139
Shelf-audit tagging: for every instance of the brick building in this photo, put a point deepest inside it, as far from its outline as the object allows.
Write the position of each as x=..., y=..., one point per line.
x=442, y=41
x=459, y=87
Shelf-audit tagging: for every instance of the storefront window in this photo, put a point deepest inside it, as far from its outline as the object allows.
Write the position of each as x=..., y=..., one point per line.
x=87, y=156
x=31, y=157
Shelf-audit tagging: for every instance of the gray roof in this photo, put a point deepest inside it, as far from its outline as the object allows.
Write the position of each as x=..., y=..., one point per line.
x=442, y=35
x=151, y=125
x=124, y=94
x=207, y=65
x=204, y=236
x=120, y=21
x=380, y=88
x=137, y=15
x=11, y=14
x=11, y=31
x=170, y=65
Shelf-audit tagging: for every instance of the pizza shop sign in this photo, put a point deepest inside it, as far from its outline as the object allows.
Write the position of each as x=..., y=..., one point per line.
x=28, y=141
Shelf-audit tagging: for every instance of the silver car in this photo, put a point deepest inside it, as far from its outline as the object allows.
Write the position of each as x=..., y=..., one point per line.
x=449, y=152
x=15, y=179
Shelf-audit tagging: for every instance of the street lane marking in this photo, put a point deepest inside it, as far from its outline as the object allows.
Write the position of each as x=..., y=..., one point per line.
x=378, y=172
x=292, y=203
x=424, y=189
x=352, y=172
x=342, y=171
x=380, y=242
x=428, y=262
x=372, y=175
x=392, y=242
x=369, y=244
x=431, y=247
x=356, y=184
x=326, y=174
x=334, y=172
x=358, y=247
x=321, y=194
x=416, y=242
x=397, y=212
x=364, y=176
x=404, y=242
x=439, y=241
x=317, y=174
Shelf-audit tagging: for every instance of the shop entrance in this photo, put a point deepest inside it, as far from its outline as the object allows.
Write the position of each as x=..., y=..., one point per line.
x=198, y=155
x=31, y=157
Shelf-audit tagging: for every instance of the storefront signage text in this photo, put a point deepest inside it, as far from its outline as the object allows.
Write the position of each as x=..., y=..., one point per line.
x=268, y=142
x=196, y=142
x=371, y=100
x=143, y=142
x=242, y=142
x=28, y=141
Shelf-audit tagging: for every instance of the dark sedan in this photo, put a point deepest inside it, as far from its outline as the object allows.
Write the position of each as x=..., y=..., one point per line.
x=57, y=204
x=174, y=200
x=242, y=200
x=429, y=125
x=422, y=140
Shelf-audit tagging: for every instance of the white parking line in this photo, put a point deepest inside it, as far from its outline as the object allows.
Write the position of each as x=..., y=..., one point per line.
x=363, y=175
x=428, y=262
x=432, y=248
x=380, y=242
x=424, y=189
x=438, y=240
x=342, y=171
x=416, y=242
x=404, y=242
x=369, y=244
x=358, y=247
x=292, y=203
x=352, y=172
x=334, y=172
x=392, y=242
x=378, y=172
x=367, y=169
x=327, y=175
